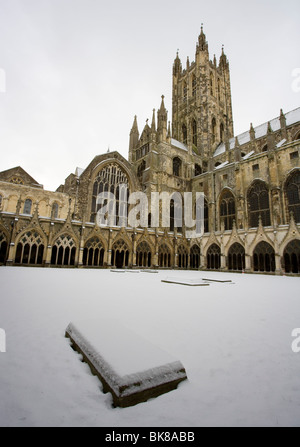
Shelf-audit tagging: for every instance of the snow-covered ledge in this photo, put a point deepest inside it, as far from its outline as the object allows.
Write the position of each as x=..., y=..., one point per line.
x=131, y=368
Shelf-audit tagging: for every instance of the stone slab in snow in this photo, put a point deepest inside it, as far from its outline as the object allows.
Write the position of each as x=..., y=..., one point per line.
x=185, y=282
x=129, y=366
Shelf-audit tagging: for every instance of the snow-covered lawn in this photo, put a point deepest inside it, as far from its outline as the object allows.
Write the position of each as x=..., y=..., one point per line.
x=234, y=340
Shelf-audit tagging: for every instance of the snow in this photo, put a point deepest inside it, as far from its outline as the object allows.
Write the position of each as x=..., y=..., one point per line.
x=124, y=358
x=291, y=117
x=178, y=144
x=234, y=340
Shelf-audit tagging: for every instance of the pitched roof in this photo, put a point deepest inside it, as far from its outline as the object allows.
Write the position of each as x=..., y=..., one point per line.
x=260, y=131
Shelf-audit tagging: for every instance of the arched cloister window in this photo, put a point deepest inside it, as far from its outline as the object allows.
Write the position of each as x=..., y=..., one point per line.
x=213, y=129
x=183, y=257
x=292, y=190
x=213, y=257
x=143, y=255
x=258, y=204
x=30, y=249
x=54, y=211
x=291, y=257
x=227, y=209
x=120, y=254
x=3, y=247
x=111, y=179
x=27, y=206
x=264, y=258
x=236, y=257
x=195, y=257
x=194, y=132
x=184, y=134
x=164, y=256
x=93, y=253
x=64, y=251
x=177, y=163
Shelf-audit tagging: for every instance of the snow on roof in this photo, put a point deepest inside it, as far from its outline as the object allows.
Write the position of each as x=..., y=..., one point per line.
x=260, y=131
x=281, y=143
x=248, y=155
x=78, y=172
x=222, y=165
x=178, y=144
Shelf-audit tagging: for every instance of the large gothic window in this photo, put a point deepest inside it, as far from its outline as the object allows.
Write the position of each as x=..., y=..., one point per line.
x=291, y=257
x=3, y=247
x=177, y=166
x=113, y=180
x=264, y=258
x=93, y=253
x=293, y=195
x=258, y=204
x=143, y=255
x=227, y=210
x=63, y=251
x=164, y=256
x=213, y=257
x=30, y=249
x=236, y=257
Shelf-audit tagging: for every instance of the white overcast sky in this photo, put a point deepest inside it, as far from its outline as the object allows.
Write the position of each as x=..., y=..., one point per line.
x=77, y=71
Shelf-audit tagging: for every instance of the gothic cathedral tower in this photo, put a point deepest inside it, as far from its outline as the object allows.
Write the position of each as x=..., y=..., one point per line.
x=201, y=102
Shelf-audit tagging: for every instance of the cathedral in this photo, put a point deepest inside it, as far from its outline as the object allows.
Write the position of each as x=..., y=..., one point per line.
x=250, y=183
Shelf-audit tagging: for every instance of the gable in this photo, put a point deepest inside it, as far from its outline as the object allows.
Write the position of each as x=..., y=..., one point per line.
x=18, y=176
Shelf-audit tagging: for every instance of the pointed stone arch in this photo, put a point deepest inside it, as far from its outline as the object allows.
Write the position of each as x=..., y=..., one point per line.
x=195, y=256
x=236, y=257
x=213, y=257
x=93, y=252
x=120, y=253
x=30, y=247
x=292, y=194
x=144, y=253
x=291, y=257
x=165, y=255
x=64, y=250
x=263, y=258
x=3, y=245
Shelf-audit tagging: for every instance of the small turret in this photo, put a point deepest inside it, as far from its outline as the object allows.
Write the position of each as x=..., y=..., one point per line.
x=134, y=138
x=162, y=121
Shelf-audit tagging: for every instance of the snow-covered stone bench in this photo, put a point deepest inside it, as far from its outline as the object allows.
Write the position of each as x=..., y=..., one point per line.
x=131, y=368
